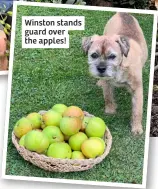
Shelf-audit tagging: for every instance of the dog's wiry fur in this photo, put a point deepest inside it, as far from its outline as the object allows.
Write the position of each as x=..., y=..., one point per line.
x=116, y=59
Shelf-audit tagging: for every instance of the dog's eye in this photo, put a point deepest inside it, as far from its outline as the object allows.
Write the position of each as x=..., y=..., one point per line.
x=112, y=57
x=94, y=55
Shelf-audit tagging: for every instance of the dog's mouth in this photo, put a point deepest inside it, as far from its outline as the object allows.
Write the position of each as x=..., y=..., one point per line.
x=106, y=74
x=103, y=76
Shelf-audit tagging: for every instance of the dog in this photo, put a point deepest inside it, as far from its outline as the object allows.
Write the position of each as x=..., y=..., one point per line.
x=117, y=58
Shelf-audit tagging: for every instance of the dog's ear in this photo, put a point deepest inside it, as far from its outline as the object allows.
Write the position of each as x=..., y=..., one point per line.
x=123, y=41
x=86, y=43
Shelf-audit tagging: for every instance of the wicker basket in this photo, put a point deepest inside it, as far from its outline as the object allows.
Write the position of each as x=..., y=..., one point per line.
x=62, y=165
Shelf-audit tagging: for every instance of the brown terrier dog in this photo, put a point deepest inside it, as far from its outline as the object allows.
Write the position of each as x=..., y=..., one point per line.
x=116, y=59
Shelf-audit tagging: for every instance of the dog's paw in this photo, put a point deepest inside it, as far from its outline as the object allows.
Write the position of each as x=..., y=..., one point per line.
x=110, y=109
x=137, y=130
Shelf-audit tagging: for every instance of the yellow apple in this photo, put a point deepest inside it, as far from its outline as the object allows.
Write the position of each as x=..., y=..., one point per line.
x=22, y=127
x=93, y=147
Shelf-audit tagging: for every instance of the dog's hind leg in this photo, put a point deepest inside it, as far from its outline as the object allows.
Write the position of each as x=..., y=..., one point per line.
x=110, y=106
x=137, y=111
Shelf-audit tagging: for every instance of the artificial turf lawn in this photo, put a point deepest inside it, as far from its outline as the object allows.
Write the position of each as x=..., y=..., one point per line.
x=44, y=77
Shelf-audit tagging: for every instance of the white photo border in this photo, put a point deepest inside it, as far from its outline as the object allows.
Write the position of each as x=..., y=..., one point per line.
x=146, y=149
x=3, y=73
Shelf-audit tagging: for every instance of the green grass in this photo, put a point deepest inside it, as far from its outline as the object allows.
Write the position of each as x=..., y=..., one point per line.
x=44, y=77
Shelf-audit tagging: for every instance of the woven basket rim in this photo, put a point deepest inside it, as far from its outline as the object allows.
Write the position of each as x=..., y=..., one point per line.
x=107, y=139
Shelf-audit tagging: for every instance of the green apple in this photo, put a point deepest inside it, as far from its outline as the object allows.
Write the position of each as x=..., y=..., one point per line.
x=85, y=122
x=54, y=134
x=73, y=111
x=59, y=150
x=96, y=127
x=22, y=127
x=61, y=108
x=51, y=118
x=36, y=120
x=70, y=125
x=21, y=141
x=93, y=147
x=77, y=155
x=76, y=140
x=36, y=141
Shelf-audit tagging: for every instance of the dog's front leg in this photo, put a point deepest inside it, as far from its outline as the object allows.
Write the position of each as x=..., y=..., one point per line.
x=137, y=110
x=110, y=106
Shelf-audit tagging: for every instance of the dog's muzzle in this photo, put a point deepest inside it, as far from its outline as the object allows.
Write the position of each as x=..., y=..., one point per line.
x=101, y=69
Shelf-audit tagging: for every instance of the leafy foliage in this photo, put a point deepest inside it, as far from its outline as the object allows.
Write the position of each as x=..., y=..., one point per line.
x=4, y=25
x=78, y=2
x=142, y=4
x=139, y=4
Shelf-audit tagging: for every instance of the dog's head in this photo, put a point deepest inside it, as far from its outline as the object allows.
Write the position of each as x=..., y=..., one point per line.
x=105, y=54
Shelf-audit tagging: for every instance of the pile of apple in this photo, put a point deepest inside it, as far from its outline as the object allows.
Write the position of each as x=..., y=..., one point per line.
x=62, y=132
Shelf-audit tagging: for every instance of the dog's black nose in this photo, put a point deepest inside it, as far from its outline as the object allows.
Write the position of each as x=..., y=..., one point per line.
x=101, y=69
